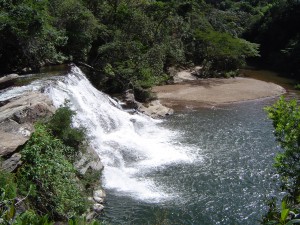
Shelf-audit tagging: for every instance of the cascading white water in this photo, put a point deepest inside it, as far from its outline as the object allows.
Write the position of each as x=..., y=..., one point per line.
x=129, y=145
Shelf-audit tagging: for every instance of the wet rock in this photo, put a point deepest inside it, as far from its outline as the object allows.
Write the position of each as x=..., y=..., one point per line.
x=90, y=216
x=98, y=208
x=8, y=80
x=129, y=100
x=155, y=109
x=99, y=196
x=12, y=163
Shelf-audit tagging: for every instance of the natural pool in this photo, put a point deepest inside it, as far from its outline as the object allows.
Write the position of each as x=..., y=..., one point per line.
x=228, y=181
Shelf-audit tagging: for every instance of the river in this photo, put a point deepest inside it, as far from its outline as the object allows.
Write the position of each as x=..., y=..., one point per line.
x=229, y=182
x=206, y=166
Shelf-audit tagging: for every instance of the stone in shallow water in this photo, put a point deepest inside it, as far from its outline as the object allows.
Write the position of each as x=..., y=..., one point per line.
x=99, y=194
x=98, y=207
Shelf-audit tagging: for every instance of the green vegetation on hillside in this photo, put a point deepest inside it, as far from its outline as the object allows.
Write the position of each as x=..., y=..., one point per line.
x=286, y=121
x=129, y=43
x=278, y=33
x=47, y=187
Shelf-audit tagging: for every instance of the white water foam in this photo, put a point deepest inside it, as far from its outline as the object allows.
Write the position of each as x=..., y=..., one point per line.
x=130, y=146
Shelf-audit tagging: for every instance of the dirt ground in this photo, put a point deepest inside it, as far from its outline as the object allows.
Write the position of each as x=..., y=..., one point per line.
x=216, y=91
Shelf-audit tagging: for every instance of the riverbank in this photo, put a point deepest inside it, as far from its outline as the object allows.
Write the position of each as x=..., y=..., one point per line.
x=215, y=91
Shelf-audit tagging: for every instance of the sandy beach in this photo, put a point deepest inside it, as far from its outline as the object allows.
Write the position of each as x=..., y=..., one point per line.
x=215, y=91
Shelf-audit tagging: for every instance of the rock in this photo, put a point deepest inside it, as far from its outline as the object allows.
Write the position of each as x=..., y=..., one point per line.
x=155, y=109
x=99, y=196
x=13, y=135
x=90, y=216
x=98, y=208
x=27, y=108
x=12, y=163
x=184, y=75
x=88, y=160
x=197, y=71
x=9, y=142
x=26, y=70
x=8, y=80
x=17, y=117
x=129, y=100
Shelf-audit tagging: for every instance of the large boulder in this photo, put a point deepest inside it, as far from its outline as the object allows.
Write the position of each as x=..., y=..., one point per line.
x=155, y=109
x=88, y=160
x=17, y=116
x=27, y=108
x=8, y=80
x=129, y=100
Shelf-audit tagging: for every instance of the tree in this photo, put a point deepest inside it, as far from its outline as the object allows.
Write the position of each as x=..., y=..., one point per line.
x=27, y=37
x=286, y=121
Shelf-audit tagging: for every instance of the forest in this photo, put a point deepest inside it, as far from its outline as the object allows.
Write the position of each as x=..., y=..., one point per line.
x=131, y=44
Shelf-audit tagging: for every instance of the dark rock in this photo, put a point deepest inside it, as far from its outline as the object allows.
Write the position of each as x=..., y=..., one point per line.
x=8, y=80
x=129, y=100
x=12, y=163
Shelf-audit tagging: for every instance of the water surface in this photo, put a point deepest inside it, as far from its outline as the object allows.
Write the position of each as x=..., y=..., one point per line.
x=227, y=183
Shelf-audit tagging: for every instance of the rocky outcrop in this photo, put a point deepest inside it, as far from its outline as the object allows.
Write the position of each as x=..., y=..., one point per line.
x=27, y=108
x=155, y=109
x=12, y=163
x=89, y=165
x=88, y=160
x=8, y=80
x=17, y=116
x=129, y=100
x=184, y=75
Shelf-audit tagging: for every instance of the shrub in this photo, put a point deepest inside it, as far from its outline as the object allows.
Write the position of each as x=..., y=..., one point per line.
x=60, y=125
x=46, y=167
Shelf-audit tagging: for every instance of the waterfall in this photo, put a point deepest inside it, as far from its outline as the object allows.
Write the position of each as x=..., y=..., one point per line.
x=130, y=146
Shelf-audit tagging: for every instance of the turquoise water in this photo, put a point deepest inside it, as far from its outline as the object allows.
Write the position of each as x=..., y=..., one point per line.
x=229, y=182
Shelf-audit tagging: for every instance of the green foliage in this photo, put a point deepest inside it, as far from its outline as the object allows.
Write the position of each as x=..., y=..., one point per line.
x=82, y=221
x=79, y=24
x=47, y=178
x=27, y=37
x=225, y=52
x=297, y=86
x=53, y=176
x=8, y=192
x=278, y=34
x=30, y=217
x=286, y=121
x=60, y=126
x=129, y=43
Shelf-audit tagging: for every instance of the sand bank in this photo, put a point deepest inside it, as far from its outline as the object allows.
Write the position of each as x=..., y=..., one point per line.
x=216, y=91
